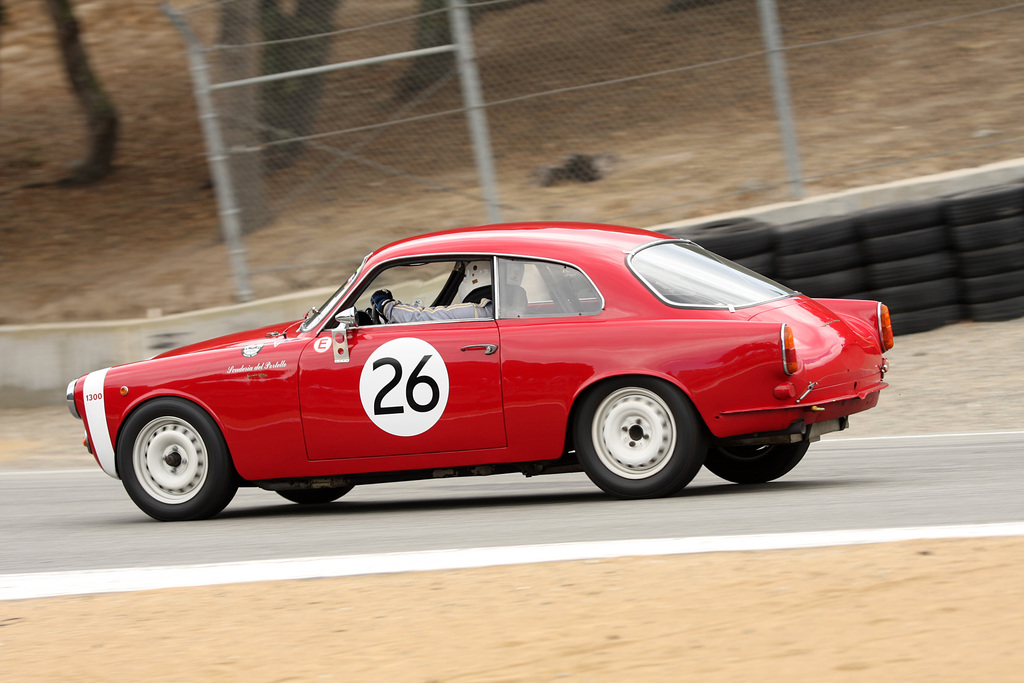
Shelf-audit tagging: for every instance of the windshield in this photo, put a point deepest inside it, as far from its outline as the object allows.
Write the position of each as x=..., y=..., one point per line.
x=684, y=274
x=316, y=315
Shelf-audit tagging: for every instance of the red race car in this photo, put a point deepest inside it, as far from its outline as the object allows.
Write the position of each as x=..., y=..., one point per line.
x=534, y=348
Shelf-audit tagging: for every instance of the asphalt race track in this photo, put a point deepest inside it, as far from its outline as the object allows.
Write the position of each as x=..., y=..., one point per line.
x=80, y=519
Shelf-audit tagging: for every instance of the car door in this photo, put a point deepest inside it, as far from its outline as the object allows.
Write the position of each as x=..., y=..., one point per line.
x=409, y=389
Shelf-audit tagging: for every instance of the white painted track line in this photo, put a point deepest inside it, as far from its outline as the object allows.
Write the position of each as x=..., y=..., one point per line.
x=836, y=438
x=51, y=584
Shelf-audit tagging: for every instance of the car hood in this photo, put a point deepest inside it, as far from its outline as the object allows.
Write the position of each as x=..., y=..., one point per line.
x=260, y=335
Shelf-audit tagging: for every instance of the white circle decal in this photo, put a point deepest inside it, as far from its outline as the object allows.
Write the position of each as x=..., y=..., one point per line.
x=404, y=386
x=322, y=344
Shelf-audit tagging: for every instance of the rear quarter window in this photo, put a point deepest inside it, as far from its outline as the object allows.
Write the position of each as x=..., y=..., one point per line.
x=683, y=274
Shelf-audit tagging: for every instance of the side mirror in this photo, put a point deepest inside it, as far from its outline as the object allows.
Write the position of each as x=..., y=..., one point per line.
x=347, y=316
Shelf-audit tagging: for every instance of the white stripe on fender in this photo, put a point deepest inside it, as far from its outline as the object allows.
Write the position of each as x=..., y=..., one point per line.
x=96, y=418
x=50, y=584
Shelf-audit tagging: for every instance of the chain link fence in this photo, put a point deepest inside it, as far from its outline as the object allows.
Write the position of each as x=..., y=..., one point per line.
x=372, y=113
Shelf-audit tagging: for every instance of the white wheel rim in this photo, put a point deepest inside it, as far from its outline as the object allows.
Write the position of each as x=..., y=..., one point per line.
x=170, y=460
x=634, y=433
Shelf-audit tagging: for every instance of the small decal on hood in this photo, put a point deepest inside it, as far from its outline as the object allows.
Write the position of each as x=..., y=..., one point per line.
x=251, y=350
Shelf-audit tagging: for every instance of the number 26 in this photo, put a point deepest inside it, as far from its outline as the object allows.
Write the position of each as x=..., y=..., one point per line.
x=415, y=379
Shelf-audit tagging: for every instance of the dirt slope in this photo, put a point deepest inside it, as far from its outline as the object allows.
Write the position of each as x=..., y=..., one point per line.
x=146, y=239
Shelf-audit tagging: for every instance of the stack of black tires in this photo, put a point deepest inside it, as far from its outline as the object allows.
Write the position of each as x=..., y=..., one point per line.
x=986, y=227
x=748, y=242
x=822, y=258
x=910, y=266
x=932, y=262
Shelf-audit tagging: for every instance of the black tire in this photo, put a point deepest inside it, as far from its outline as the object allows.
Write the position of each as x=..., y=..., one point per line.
x=754, y=464
x=896, y=218
x=904, y=245
x=830, y=285
x=819, y=262
x=314, y=496
x=733, y=238
x=984, y=204
x=907, y=271
x=980, y=290
x=174, y=463
x=763, y=264
x=925, y=319
x=991, y=261
x=639, y=437
x=815, y=234
x=920, y=295
x=997, y=311
x=974, y=236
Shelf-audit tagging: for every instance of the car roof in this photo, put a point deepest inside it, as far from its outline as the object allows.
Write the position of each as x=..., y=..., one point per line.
x=567, y=241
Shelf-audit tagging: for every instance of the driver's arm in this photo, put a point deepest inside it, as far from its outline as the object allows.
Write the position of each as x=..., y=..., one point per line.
x=397, y=312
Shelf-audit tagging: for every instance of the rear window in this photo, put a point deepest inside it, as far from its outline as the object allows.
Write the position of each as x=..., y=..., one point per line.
x=684, y=274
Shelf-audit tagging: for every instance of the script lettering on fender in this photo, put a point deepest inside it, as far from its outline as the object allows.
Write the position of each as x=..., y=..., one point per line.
x=268, y=365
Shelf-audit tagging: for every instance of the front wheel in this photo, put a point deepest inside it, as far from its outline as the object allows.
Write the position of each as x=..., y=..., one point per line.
x=754, y=464
x=173, y=462
x=639, y=437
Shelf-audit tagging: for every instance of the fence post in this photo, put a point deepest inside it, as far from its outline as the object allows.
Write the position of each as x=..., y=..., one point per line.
x=473, y=99
x=772, y=37
x=227, y=206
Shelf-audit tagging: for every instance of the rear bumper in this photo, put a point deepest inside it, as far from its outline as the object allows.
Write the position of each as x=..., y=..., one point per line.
x=797, y=432
x=793, y=423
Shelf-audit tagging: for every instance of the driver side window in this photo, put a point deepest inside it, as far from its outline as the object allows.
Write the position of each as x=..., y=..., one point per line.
x=427, y=292
x=419, y=283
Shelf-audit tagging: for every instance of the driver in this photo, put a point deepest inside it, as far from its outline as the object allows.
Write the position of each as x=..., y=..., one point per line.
x=393, y=311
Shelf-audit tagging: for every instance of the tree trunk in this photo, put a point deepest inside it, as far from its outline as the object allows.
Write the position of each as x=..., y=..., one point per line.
x=288, y=107
x=101, y=117
x=3, y=21
x=433, y=29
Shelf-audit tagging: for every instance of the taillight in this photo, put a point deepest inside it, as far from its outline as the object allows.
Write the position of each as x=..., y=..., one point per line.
x=790, y=363
x=884, y=327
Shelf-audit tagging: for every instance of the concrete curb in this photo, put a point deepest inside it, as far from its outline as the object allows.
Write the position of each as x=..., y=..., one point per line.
x=39, y=360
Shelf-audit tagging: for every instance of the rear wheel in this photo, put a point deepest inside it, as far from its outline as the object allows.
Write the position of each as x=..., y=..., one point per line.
x=173, y=462
x=314, y=496
x=754, y=464
x=639, y=437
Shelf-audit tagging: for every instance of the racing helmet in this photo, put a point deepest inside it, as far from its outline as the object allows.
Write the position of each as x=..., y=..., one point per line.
x=477, y=276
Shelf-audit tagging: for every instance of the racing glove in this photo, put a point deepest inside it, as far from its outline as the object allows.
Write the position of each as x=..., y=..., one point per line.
x=379, y=298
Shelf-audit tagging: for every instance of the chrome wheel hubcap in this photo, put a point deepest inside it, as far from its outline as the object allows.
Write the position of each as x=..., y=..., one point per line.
x=634, y=433
x=170, y=460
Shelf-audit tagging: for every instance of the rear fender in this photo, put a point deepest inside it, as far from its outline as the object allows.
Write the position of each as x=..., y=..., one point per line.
x=717, y=364
x=860, y=314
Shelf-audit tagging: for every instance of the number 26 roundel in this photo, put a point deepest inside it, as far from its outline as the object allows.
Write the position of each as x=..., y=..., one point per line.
x=404, y=386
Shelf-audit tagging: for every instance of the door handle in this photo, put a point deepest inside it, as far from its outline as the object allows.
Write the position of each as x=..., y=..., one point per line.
x=488, y=348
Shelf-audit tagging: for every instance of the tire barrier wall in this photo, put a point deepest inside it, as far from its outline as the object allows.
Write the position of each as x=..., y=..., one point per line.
x=932, y=262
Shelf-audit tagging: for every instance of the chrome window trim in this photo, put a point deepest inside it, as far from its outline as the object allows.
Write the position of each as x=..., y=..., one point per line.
x=560, y=262
x=341, y=303
x=320, y=319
